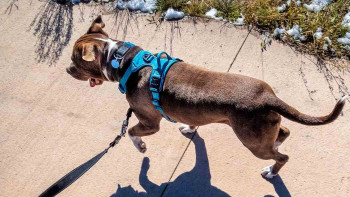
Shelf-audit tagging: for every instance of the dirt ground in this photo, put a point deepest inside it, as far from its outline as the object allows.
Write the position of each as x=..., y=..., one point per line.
x=51, y=123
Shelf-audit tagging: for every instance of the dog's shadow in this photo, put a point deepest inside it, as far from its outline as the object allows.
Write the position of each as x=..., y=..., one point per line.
x=279, y=186
x=196, y=182
x=193, y=183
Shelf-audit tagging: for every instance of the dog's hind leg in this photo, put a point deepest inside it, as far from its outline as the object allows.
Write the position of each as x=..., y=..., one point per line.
x=268, y=153
x=140, y=130
x=281, y=159
x=271, y=171
x=259, y=131
x=282, y=135
x=184, y=128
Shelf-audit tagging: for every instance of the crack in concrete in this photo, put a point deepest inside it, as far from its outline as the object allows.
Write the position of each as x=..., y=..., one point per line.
x=303, y=77
x=330, y=77
x=178, y=163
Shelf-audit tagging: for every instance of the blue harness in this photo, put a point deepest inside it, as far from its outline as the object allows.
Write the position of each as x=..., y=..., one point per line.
x=142, y=59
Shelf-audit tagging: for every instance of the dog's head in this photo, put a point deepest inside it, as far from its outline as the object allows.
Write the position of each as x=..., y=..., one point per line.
x=91, y=54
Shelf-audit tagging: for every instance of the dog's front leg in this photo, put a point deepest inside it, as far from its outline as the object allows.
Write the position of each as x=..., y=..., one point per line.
x=139, y=130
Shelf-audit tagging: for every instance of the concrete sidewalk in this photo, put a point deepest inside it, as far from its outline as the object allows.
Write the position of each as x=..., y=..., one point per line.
x=51, y=123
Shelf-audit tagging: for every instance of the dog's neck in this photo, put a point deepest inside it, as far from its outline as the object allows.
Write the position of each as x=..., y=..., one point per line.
x=114, y=74
x=124, y=63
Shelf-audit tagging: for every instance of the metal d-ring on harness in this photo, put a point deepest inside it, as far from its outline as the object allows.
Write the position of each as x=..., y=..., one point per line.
x=75, y=174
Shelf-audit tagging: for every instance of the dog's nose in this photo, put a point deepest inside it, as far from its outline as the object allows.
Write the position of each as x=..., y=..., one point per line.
x=71, y=69
x=68, y=71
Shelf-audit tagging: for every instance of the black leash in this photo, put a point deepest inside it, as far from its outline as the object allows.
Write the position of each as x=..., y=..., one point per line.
x=75, y=174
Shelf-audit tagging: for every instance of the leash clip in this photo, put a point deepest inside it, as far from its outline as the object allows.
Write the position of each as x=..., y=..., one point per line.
x=123, y=129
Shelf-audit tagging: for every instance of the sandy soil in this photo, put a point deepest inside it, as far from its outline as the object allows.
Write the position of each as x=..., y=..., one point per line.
x=51, y=123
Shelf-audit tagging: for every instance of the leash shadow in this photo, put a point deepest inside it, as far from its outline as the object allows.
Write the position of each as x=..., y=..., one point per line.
x=279, y=186
x=192, y=183
x=53, y=27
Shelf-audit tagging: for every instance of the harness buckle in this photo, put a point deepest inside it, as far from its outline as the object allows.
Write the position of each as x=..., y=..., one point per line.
x=148, y=57
x=156, y=103
x=155, y=82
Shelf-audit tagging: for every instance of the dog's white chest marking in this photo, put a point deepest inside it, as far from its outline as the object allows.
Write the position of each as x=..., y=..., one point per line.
x=104, y=70
x=111, y=45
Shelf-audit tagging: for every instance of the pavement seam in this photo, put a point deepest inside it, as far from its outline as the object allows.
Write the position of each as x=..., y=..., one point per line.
x=262, y=66
x=178, y=163
x=240, y=48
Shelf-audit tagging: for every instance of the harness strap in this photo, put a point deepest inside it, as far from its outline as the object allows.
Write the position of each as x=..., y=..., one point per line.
x=160, y=68
x=157, y=80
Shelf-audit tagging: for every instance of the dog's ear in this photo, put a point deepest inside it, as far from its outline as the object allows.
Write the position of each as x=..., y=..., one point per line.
x=88, y=53
x=97, y=26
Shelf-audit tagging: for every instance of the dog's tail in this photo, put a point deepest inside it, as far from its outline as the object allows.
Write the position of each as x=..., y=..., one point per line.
x=292, y=114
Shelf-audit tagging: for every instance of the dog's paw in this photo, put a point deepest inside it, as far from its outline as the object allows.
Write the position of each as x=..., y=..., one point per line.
x=267, y=172
x=138, y=143
x=143, y=147
x=186, y=129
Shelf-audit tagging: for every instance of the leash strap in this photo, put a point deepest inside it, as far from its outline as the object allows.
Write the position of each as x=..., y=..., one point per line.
x=75, y=174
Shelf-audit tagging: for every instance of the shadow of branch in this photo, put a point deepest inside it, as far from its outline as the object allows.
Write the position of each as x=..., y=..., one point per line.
x=12, y=4
x=53, y=26
x=124, y=20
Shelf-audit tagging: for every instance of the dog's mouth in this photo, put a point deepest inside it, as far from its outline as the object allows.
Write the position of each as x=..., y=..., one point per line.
x=94, y=82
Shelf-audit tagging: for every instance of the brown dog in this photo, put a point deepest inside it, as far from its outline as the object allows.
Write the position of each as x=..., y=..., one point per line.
x=195, y=96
